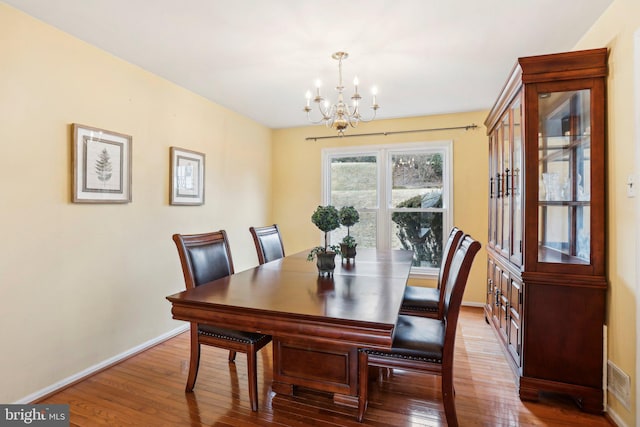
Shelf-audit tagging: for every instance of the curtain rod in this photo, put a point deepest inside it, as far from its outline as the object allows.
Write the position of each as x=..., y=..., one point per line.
x=315, y=138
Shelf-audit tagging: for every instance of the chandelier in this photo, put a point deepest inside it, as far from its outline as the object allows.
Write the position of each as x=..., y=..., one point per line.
x=339, y=115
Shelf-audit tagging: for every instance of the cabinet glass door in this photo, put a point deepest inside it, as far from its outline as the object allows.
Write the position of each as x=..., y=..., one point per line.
x=504, y=185
x=498, y=183
x=516, y=183
x=564, y=206
x=493, y=191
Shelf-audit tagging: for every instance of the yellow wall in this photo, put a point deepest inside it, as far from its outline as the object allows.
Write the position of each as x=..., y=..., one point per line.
x=297, y=178
x=83, y=283
x=615, y=30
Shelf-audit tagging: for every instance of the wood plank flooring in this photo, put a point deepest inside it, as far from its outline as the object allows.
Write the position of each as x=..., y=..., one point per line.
x=148, y=390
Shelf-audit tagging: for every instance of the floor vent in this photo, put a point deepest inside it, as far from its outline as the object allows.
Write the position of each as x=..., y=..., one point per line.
x=618, y=384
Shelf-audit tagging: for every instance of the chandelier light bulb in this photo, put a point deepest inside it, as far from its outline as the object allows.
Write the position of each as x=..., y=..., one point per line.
x=308, y=97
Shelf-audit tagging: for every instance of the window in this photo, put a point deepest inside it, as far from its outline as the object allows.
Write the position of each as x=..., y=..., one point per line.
x=403, y=195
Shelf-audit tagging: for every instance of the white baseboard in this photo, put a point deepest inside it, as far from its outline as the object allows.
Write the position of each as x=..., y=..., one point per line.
x=473, y=304
x=615, y=418
x=100, y=366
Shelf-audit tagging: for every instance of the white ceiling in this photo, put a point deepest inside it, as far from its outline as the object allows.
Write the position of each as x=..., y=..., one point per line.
x=259, y=57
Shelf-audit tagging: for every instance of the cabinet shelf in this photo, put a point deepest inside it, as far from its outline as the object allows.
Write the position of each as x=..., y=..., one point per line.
x=559, y=152
x=552, y=255
x=544, y=203
x=567, y=143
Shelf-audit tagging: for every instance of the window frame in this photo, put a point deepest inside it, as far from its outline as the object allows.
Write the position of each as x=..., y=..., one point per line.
x=383, y=154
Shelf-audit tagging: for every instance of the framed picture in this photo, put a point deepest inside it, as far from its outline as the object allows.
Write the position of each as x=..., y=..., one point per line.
x=187, y=177
x=101, y=166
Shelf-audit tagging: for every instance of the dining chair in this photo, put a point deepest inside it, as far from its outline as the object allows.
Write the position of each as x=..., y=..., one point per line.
x=425, y=344
x=428, y=302
x=268, y=243
x=205, y=258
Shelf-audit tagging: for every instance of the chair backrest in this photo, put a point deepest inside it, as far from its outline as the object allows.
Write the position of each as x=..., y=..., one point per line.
x=449, y=250
x=204, y=257
x=268, y=243
x=461, y=263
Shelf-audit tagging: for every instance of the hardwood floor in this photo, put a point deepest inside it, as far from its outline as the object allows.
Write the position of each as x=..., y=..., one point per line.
x=148, y=390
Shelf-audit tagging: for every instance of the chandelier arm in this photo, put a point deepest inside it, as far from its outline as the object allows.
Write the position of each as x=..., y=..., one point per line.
x=355, y=110
x=363, y=120
x=353, y=120
x=326, y=113
x=315, y=122
x=350, y=111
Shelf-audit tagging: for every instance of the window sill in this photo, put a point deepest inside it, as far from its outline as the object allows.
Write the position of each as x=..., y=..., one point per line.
x=423, y=278
x=424, y=274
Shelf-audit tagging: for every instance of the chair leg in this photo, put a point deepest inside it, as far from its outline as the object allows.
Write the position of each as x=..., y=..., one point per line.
x=363, y=384
x=194, y=358
x=232, y=355
x=252, y=368
x=448, y=397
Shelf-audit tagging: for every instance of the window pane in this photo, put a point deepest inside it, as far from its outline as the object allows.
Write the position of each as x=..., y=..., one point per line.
x=364, y=231
x=420, y=232
x=416, y=180
x=354, y=182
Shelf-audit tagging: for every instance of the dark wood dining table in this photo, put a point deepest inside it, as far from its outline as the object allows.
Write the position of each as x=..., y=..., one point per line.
x=317, y=323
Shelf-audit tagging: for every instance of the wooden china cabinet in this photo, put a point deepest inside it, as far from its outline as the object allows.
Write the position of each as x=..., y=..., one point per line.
x=546, y=283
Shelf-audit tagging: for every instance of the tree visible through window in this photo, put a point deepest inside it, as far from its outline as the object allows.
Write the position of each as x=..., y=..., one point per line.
x=401, y=192
x=417, y=206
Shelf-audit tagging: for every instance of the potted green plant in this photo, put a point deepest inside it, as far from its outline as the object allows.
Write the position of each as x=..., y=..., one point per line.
x=327, y=219
x=349, y=216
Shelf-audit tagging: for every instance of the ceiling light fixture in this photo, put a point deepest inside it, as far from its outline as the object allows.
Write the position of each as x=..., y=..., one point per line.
x=339, y=115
